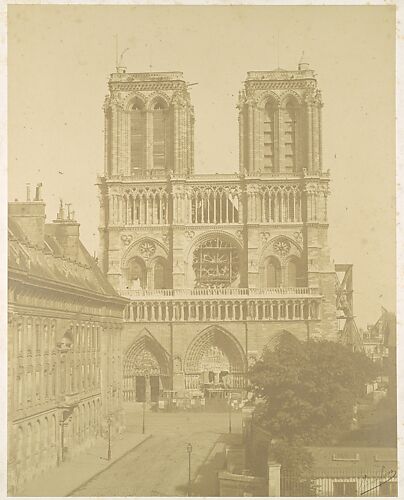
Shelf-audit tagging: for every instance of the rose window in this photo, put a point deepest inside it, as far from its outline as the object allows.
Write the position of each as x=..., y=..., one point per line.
x=216, y=264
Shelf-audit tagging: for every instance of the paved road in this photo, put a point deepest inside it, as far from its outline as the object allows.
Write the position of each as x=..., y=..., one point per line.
x=159, y=466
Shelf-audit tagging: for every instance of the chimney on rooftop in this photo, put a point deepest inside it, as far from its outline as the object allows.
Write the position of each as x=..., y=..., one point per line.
x=30, y=216
x=66, y=230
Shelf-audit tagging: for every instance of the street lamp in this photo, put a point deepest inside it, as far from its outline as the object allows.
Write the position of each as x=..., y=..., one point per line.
x=229, y=413
x=109, y=421
x=143, y=418
x=189, y=451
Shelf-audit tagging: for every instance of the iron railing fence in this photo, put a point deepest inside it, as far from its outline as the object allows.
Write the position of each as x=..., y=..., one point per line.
x=377, y=482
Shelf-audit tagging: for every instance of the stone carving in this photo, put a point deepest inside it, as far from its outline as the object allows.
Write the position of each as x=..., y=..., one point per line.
x=239, y=234
x=164, y=238
x=252, y=359
x=126, y=238
x=298, y=236
x=147, y=249
x=282, y=247
x=265, y=237
x=189, y=234
x=177, y=364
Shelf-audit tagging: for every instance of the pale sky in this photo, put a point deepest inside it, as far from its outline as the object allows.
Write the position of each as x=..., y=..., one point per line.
x=60, y=58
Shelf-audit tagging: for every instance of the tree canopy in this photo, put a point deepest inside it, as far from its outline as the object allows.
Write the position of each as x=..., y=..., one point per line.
x=309, y=389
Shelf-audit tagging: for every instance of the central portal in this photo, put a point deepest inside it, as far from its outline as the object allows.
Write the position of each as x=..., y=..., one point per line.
x=215, y=364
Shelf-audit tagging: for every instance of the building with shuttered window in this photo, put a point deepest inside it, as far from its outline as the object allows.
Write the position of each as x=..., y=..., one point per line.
x=64, y=344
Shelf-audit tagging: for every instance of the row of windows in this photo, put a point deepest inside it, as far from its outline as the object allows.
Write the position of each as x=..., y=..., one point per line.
x=42, y=434
x=39, y=385
x=138, y=276
x=216, y=264
x=40, y=336
x=292, y=275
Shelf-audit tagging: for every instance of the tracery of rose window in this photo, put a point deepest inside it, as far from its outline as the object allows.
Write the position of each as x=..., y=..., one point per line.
x=216, y=264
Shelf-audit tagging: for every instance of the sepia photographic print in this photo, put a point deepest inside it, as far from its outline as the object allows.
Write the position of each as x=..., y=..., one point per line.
x=201, y=261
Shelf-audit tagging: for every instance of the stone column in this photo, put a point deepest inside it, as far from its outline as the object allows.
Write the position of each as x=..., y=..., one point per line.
x=241, y=140
x=309, y=138
x=149, y=140
x=316, y=151
x=176, y=138
x=250, y=138
x=274, y=479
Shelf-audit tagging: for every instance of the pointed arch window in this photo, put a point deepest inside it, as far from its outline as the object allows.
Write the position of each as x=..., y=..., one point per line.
x=289, y=124
x=269, y=137
x=137, y=137
x=137, y=273
x=159, y=135
x=294, y=276
x=160, y=274
x=273, y=273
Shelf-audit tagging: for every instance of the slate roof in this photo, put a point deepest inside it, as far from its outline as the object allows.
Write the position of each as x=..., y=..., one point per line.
x=50, y=264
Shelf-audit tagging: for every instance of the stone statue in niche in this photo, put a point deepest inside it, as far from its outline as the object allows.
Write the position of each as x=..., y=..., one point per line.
x=177, y=364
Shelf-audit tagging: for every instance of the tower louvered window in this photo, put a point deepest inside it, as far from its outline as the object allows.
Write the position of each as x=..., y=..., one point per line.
x=290, y=138
x=269, y=129
x=159, y=136
x=137, y=138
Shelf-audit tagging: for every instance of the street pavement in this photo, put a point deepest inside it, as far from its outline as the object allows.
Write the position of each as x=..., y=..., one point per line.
x=159, y=466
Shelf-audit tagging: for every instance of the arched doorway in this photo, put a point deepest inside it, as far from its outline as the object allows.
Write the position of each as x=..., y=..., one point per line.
x=146, y=371
x=215, y=364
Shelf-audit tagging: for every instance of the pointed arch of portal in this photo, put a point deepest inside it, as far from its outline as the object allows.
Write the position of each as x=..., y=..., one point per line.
x=281, y=336
x=145, y=369
x=215, y=360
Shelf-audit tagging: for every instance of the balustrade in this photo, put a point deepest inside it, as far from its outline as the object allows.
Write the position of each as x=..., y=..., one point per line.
x=219, y=292
x=257, y=309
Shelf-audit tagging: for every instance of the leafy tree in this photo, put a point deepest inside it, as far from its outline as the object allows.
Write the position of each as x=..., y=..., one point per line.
x=309, y=389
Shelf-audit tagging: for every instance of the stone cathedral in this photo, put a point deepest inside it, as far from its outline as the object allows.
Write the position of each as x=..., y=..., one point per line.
x=216, y=267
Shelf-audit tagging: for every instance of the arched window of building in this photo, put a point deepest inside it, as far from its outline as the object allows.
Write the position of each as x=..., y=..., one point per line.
x=160, y=274
x=289, y=125
x=269, y=137
x=29, y=334
x=20, y=445
x=137, y=273
x=45, y=433
x=273, y=273
x=294, y=273
x=20, y=335
x=137, y=137
x=53, y=430
x=37, y=436
x=159, y=135
x=29, y=441
x=46, y=337
x=19, y=391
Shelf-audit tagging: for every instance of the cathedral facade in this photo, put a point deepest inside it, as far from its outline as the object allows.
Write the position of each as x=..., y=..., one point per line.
x=216, y=266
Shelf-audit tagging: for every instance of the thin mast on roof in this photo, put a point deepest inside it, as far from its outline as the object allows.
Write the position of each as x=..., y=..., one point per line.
x=120, y=68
